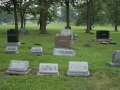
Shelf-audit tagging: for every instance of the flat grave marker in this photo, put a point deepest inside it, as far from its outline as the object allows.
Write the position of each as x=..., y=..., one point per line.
x=78, y=69
x=36, y=51
x=18, y=67
x=48, y=69
x=11, y=50
x=64, y=52
x=115, y=59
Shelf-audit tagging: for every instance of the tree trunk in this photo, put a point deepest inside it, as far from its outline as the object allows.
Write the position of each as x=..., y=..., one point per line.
x=88, y=15
x=21, y=20
x=43, y=18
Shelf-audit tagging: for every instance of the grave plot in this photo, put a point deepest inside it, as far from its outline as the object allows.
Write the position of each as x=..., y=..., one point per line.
x=115, y=59
x=48, y=69
x=36, y=51
x=64, y=52
x=78, y=69
x=12, y=50
x=18, y=67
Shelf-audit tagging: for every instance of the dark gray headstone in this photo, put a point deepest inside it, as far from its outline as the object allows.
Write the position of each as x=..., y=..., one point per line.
x=48, y=69
x=18, y=67
x=12, y=50
x=64, y=52
x=36, y=51
x=115, y=59
x=62, y=42
x=12, y=35
x=78, y=69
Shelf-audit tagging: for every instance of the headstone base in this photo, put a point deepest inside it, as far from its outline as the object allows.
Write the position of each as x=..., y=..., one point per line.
x=102, y=40
x=114, y=64
x=11, y=52
x=36, y=53
x=18, y=44
x=18, y=72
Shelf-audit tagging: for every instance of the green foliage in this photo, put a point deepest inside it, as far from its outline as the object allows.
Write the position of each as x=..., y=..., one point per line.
x=102, y=76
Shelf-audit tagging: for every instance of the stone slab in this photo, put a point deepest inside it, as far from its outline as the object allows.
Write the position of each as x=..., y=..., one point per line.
x=48, y=69
x=18, y=44
x=36, y=51
x=78, y=69
x=18, y=67
x=64, y=52
x=100, y=40
x=115, y=59
x=11, y=50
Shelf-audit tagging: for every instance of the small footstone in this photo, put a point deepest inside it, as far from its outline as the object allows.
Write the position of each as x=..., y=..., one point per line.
x=78, y=69
x=48, y=69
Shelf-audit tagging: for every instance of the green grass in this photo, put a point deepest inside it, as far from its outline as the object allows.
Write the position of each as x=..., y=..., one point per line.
x=102, y=77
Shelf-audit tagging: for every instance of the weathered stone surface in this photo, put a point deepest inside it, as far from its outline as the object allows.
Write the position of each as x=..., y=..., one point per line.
x=116, y=59
x=64, y=52
x=78, y=69
x=12, y=50
x=23, y=31
x=18, y=67
x=18, y=44
x=36, y=50
x=48, y=69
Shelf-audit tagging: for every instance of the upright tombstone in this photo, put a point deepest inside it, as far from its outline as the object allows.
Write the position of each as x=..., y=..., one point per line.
x=36, y=51
x=62, y=42
x=11, y=50
x=78, y=69
x=102, y=36
x=12, y=38
x=23, y=31
x=18, y=67
x=115, y=59
x=48, y=69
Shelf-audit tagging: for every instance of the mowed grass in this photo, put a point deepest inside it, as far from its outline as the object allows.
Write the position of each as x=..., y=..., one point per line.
x=102, y=76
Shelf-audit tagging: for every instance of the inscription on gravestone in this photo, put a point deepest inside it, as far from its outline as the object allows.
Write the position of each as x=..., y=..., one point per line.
x=48, y=69
x=64, y=52
x=78, y=69
x=115, y=59
x=36, y=50
x=18, y=67
x=12, y=49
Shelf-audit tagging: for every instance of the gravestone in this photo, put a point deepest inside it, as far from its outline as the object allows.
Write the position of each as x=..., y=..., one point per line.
x=23, y=31
x=48, y=69
x=115, y=59
x=62, y=42
x=102, y=34
x=78, y=69
x=12, y=38
x=36, y=51
x=12, y=50
x=18, y=67
x=64, y=52
x=67, y=32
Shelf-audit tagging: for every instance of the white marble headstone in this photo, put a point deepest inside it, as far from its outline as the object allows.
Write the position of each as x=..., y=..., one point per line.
x=18, y=67
x=78, y=69
x=64, y=52
x=67, y=32
x=48, y=69
x=116, y=59
x=12, y=49
x=36, y=50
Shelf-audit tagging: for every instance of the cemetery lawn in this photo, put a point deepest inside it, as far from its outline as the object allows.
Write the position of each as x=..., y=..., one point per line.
x=98, y=55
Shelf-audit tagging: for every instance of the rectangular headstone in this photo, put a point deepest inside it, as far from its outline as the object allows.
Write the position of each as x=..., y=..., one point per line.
x=102, y=34
x=48, y=69
x=115, y=59
x=18, y=67
x=78, y=69
x=36, y=50
x=12, y=49
x=64, y=52
x=12, y=35
x=62, y=42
